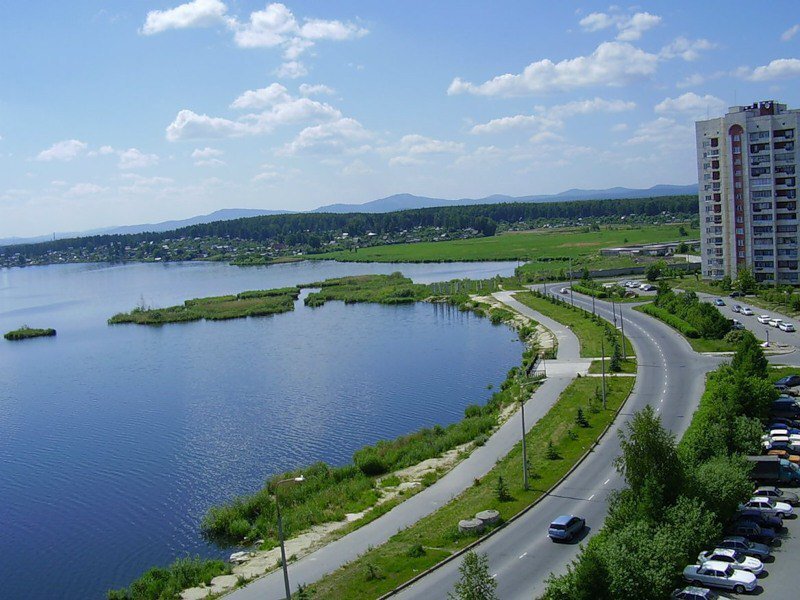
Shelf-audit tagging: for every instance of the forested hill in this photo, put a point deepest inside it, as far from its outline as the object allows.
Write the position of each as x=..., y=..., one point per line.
x=307, y=228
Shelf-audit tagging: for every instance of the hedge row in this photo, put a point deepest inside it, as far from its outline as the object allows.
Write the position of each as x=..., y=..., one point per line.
x=589, y=291
x=673, y=321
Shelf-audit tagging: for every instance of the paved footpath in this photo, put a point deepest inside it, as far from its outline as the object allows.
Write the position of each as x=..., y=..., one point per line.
x=346, y=549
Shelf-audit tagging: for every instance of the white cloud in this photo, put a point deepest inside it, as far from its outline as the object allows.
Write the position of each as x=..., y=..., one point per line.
x=545, y=137
x=291, y=70
x=267, y=28
x=188, y=125
x=210, y=162
x=318, y=29
x=553, y=117
x=596, y=21
x=104, y=150
x=133, y=158
x=691, y=105
x=357, y=167
x=200, y=153
x=611, y=64
x=420, y=144
x=336, y=137
x=294, y=48
x=405, y=161
x=268, y=96
x=685, y=48
x=63, y=151
x=790, y=33
x=620, y=127
x=631, y=29
x=199, y=13
x=780, y=68
x=313, y=90
x=84, y=189
x=664, y=133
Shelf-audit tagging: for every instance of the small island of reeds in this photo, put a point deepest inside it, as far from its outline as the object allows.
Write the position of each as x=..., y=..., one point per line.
x=254, y=303
x=25, y=332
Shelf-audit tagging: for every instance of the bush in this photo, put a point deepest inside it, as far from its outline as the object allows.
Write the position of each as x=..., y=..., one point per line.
x=165, y=583
x=671, y=320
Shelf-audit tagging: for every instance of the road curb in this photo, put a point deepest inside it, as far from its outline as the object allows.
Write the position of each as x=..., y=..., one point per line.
x=547, y=493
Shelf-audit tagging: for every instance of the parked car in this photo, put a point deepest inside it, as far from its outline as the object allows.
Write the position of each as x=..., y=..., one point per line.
x=761, y=519
x=788, y=327
x=777, y=494
x=775, y=427
x=752, y=532
x=565, y=528
x=719, y=302
x=764, y=319
x=736, y=559
x=694, y=593
x=737, y=294
x=786, y=422
x=747, y=312
x=789, y=380
x=768, y=506
x=742, y=544
x=647, y=287
x=719, y=574
x=784, y=455
x=774, y=322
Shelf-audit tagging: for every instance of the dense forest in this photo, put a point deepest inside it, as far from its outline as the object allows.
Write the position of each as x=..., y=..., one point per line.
x=310, y=228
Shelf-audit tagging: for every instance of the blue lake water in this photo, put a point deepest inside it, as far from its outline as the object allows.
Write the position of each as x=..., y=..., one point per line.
x=115, y=440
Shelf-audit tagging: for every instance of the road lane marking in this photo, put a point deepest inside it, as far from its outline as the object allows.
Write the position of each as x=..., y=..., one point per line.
x=590, y=497
x=523, y=555
x=606, y=481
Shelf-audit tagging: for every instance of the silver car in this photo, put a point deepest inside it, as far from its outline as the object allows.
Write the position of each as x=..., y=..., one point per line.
x=719, y=574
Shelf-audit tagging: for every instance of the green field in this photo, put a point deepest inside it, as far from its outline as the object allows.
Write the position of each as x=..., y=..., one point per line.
x=559, y=244
x=589, y=332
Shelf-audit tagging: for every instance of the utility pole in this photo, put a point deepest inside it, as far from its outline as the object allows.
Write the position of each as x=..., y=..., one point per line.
x=524, y=447
x=571, y=299
x=622, y=324
x=592, y=304
x=614, y=312
x=603, y=362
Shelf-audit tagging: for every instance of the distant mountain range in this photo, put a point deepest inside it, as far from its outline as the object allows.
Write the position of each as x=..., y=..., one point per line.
x=382, y=205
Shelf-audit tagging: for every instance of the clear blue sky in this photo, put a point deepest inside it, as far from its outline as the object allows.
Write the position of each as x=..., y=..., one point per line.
x=116, y=113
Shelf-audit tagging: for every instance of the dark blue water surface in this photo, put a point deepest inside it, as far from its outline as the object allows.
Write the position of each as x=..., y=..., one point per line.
x=115, y=440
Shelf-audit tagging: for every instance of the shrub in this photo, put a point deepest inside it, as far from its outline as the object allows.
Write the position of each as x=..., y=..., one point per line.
x=671, y=320
x=415, y=551
x=501, y=491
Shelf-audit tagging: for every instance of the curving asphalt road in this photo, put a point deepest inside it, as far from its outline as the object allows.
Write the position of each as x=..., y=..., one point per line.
x=671, y=377
x=348, y=548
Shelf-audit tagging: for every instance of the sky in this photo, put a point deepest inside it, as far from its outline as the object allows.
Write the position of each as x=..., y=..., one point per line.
x=140, y=111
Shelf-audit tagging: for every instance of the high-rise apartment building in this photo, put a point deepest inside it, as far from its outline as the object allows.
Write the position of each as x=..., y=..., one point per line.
x=746, y=164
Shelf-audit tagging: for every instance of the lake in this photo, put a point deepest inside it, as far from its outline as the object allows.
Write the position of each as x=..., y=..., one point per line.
x=115, y=440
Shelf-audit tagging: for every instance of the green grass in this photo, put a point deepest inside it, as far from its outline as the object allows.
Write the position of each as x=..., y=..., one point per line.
x=778, y=371
x=385, y=567
x=161, y=583
x=559, y=244
x=698, y=344
x=589, y=332
x=254, y=303
x=25, y=332
x=628, y=366
x=382, y=289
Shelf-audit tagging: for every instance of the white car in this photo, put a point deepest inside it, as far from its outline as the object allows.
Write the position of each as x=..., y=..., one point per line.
x=564, y=290
x=719, y=574
x=774, y=322
x=736, y=559
x=764, y=319
x=786, y=327
x=747, y=312
x=768, y=506
x=647, y=287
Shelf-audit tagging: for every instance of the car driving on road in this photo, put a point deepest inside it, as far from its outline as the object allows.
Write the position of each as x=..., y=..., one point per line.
x=747, y=312
x=719, y=302
x=764, y=319
x=788, y=327
x=565, y=528
x=736, y=308
x=774, y=322
x=720, y=574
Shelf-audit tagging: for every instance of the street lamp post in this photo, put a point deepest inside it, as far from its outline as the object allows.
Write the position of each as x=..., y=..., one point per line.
x=524, y=447
x=571, y=299
x=603, y=362
x=277, y=484
x=767, y=330
x=622, y=325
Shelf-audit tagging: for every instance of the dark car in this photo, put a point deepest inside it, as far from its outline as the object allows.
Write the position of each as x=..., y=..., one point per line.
x=786, y=407
x=777, y=494
x=694, y=593
x=565, y=528
x=760, y=518
x=753, y=532
x=784, y=422
x=789, y=381
x=742, y=544
x=790, y=426
x=737, y=294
